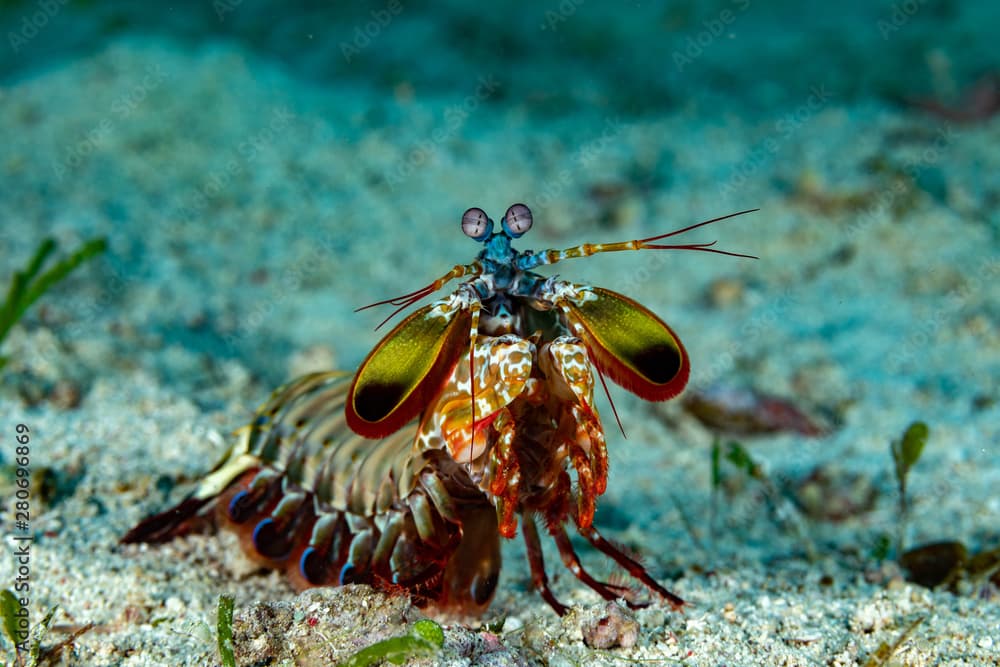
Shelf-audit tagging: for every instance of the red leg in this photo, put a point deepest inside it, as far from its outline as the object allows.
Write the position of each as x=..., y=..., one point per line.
x=633, y=568
x=572, y=563
x=586, y=496
x=537, y=563
x=505, y=485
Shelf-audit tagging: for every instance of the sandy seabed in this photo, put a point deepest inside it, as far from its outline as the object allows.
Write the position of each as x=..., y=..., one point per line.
x=249, y=213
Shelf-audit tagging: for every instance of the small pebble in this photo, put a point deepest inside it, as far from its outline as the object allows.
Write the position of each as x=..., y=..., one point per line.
x=614, y=626
x=65, y=394
x=831, y=493
x=725, y=292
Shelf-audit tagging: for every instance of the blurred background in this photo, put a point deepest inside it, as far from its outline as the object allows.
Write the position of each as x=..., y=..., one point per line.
x=261, y=169
x=231, y=150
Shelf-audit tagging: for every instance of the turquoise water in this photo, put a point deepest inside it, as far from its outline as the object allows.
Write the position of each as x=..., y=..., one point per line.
x=263, y=169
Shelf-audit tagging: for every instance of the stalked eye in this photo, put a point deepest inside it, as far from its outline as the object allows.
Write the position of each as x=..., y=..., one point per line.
x=476, y=224
x=517, y=220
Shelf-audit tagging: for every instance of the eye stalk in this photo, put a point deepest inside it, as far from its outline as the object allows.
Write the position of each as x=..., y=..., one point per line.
x=516, y=221
x=476, y=224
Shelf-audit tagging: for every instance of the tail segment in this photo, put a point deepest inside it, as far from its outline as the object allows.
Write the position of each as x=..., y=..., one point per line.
x=328, y=508
x=165, y=526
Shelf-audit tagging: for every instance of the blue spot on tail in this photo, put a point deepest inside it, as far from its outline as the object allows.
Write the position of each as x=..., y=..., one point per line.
x=304, y=564
x=234, y=506
x=263, y=525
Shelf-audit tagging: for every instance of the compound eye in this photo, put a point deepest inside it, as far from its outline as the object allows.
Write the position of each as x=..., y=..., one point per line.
x=517, y=220
x=476, y=224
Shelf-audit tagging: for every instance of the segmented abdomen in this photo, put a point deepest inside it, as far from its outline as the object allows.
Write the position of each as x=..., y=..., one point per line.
x=329, y=507
x=422, y=510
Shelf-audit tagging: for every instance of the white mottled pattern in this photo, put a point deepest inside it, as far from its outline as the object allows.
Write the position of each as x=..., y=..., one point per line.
x=502, y=366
